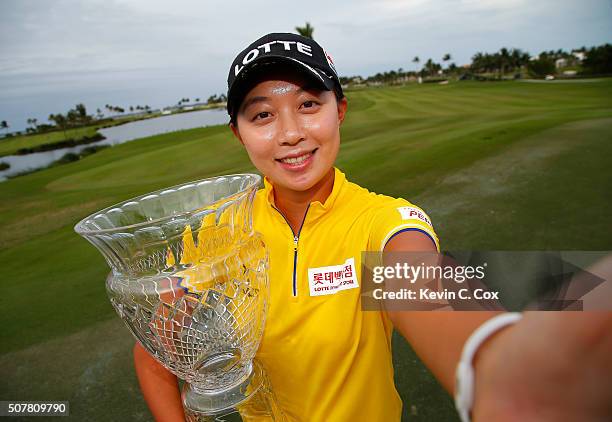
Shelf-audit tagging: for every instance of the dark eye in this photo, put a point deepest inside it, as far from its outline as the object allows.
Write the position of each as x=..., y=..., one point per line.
x=261, y=115
x=308, y=104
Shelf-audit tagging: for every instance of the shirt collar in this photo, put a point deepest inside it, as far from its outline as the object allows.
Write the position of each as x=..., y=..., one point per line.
x=339, y=182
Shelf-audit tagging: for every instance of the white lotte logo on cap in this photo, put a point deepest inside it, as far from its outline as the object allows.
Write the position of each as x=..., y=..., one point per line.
x=254, y=53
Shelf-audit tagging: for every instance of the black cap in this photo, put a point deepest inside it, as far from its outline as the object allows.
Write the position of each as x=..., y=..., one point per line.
x=280, y=48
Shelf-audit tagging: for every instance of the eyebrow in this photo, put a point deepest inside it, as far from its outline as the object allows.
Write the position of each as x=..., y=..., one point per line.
x=260, y=99
x=253, y=100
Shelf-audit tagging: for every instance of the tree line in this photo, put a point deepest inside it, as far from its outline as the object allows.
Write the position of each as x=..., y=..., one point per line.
x=78, y=116
x=75, y=117
x=596, y=60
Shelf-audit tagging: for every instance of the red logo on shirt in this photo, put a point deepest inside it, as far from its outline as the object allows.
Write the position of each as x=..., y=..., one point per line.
x=333, y=278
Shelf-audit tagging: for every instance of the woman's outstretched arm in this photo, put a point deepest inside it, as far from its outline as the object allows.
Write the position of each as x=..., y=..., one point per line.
x=437, y=337
x=550, y=366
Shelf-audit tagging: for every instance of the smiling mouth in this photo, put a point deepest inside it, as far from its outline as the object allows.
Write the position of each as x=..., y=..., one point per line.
x=297, y=160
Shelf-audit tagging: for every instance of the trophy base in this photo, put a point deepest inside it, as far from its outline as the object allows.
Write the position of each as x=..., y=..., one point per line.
x=248, y=400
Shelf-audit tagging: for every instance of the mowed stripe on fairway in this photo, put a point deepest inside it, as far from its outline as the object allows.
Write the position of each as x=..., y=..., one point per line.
x=545, y=192
x=92, y=369
x=496, y=165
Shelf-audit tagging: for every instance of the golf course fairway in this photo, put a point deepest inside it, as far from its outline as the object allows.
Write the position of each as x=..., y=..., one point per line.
x=497, y=166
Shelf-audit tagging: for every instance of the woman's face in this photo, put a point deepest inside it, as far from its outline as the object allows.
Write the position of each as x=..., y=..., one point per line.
x=290, y=130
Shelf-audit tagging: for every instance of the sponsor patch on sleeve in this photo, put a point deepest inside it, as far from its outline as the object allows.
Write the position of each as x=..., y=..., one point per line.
x=411, y=213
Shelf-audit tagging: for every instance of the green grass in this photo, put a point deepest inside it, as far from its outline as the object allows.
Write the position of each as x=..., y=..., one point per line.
x=11, y=145
x=512, y=166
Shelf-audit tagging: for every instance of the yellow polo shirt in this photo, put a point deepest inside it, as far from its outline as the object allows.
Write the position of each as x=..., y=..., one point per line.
x=327, y=359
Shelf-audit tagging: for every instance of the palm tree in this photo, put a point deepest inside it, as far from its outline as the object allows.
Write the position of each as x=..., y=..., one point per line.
x=60, y=121
x=81, y=110
x=446, y=57
x=477, y=61
x=72, y=118
x=32, y=122
x=4, y=125
x=416, y=61
x=431, y=67
x=491, y=62
x=81, y=116
x=504, y=60
x=305, y=31
x=518, y=59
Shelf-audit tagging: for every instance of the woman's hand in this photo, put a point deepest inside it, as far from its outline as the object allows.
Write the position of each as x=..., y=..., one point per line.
x=551, y=366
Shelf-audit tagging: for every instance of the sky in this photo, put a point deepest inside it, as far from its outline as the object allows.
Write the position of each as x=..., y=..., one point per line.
x=57, y=53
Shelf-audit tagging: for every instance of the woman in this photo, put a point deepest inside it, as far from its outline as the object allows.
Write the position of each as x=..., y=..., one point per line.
x=327, y=359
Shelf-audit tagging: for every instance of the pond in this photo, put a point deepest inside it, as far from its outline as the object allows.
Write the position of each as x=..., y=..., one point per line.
x=117, y=135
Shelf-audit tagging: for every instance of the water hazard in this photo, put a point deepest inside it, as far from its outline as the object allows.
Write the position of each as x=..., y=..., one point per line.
x=117, y=135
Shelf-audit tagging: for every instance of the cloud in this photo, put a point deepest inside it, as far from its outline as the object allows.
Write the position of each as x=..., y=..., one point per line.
x=171, y=47
x=98, y=35
x=493, y=4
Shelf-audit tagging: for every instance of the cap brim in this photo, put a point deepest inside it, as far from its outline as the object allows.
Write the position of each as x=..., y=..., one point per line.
x=254, y=69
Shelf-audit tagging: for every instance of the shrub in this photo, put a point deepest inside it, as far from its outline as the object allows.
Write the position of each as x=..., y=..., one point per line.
x=541, y=67
x=68, y=158
x=93, y=149
x=598, y=60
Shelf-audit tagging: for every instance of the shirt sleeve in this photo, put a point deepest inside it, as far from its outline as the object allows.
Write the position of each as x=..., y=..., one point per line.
x=396, y=217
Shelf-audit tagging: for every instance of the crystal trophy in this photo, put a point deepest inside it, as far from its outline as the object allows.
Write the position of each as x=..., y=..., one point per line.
x=189, y=278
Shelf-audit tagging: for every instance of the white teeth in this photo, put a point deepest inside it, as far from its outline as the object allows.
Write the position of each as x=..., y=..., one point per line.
x=296, y=160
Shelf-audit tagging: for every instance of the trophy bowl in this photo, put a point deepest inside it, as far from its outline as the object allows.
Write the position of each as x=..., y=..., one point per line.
x=189, y=278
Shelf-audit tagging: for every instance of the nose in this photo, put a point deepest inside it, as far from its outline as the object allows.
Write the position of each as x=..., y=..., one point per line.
x=290, y=129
